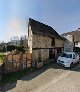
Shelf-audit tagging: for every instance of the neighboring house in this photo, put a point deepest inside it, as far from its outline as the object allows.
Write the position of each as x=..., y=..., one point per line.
x=68, y=43
x=43, y=41
x=74, y=38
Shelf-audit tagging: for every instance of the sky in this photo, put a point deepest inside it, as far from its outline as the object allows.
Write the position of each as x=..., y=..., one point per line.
x=62, y=15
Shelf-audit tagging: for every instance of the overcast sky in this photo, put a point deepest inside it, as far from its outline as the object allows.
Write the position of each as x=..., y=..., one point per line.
x=62, y=15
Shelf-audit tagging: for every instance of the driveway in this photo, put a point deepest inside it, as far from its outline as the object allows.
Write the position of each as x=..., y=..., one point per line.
x=46, y=80
x=70, y=83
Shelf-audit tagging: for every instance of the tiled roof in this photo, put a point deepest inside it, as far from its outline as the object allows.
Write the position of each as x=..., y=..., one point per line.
x=42, y=29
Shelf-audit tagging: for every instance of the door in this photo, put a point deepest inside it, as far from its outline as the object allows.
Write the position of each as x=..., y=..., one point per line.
x=51, y=53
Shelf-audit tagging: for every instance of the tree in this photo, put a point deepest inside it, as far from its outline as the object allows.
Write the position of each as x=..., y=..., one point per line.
x=14, y=40
x=4, y=49
x=21, y=41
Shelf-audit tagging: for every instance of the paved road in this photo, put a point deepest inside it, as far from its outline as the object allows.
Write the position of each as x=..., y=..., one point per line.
x=70, y=83
x=50, y=79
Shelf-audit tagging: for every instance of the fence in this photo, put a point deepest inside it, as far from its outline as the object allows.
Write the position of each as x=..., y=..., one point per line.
x=16, y=62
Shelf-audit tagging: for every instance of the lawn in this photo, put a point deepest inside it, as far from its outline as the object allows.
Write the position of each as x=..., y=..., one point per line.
x=1, y=58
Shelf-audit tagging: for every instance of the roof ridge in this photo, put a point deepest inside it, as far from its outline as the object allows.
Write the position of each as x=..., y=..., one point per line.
x=41, y=23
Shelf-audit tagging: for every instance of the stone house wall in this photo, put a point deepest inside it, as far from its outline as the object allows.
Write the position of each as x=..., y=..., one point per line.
x=40, y=44
x=30, y=39
x=59, y=43
x=40, y=41
x=43, y=41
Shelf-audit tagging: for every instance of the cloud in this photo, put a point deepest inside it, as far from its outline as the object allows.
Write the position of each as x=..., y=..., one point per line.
x=15, y=27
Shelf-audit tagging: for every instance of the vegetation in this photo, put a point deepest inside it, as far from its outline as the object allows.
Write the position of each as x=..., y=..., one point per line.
x=1, y=58
x=4, y=49
x=13, y=77
x=26, y=49
x=20, y=48
x=13, y=47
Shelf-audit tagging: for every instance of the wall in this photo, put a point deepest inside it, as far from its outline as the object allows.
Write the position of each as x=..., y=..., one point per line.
x=68, y=44
x=78, y=44
x=43, y=42
x=30, y=39
x=40, y=41
x=59, y=43
x=39, y=46
x=44, y=55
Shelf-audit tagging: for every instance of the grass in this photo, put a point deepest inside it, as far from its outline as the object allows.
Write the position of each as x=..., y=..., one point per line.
x=1, y=58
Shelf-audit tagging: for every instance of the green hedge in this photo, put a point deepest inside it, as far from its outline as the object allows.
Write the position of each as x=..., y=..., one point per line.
x=13, y=47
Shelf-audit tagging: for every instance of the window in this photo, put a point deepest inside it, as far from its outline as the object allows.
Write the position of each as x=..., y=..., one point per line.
x=53, y=42
x=63, y=55
x=66, y=55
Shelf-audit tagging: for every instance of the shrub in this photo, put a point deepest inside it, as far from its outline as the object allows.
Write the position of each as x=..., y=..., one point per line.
x=11, y=47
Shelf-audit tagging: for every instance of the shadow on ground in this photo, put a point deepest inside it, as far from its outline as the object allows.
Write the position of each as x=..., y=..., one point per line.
x=35, y=72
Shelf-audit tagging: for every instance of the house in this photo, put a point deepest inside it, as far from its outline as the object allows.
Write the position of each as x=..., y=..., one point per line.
x=72, y=42
x=68, y=43
x=43, y=41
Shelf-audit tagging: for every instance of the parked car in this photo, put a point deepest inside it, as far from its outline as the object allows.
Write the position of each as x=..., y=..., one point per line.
x=79, y=54
x=68, y=59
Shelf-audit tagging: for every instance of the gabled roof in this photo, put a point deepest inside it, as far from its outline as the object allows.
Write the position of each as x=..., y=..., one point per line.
x=76, y=35
x=42, y=29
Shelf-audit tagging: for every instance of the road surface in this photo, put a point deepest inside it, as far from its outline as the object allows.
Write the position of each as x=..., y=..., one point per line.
x=51, y=79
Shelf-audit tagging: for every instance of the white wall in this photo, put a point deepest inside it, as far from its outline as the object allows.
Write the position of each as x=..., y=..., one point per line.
x=68, y=44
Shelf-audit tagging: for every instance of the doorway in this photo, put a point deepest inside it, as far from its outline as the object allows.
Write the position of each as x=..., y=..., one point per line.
x=51, y=53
